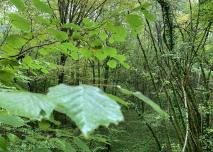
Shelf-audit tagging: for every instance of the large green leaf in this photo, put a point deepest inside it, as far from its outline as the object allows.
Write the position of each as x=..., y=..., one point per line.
x=19, y=4
x=58, y=35
x=100, y=55
x=15, y=41
x=41, y=6
x=135, y=22
x=86, y=105
x=86, y=53
x=30, y=105
x=120, y=34
x=108, y=51
x=20, y=22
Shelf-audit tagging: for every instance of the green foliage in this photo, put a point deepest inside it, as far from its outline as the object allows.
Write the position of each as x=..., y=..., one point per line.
x=58, y=35
x=160, y=48
x=6, y=75
x=148, y=15
x=119, y=100
x=146, y=100
x=72, y=26
x=87, y=106
x=19, y=4
x=20, y=22
x=112, y=64
x=3, y=144
x=81, y=145
x=12, y=120
x=41, y=6
x=135, y=22
x=155, y=106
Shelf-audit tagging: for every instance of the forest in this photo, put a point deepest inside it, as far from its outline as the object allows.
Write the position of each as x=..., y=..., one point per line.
x=106, y=76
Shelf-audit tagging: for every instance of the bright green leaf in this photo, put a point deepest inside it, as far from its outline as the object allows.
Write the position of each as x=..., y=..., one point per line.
x=112, y=64
x=120, y=58
x=103, y=36
x=28, y=60
x=135, y=22
x=74, y=55
x=86, y=52
x=19, y=4
x=109, y=51
x=100, y=55
x=41, y=6
x=120, y=34
x=20, y=22
x=88, y=23
x=58, y=35
x=15, y=41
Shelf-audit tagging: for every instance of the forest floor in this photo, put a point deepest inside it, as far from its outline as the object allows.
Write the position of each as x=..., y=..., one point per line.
x=133, y=135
